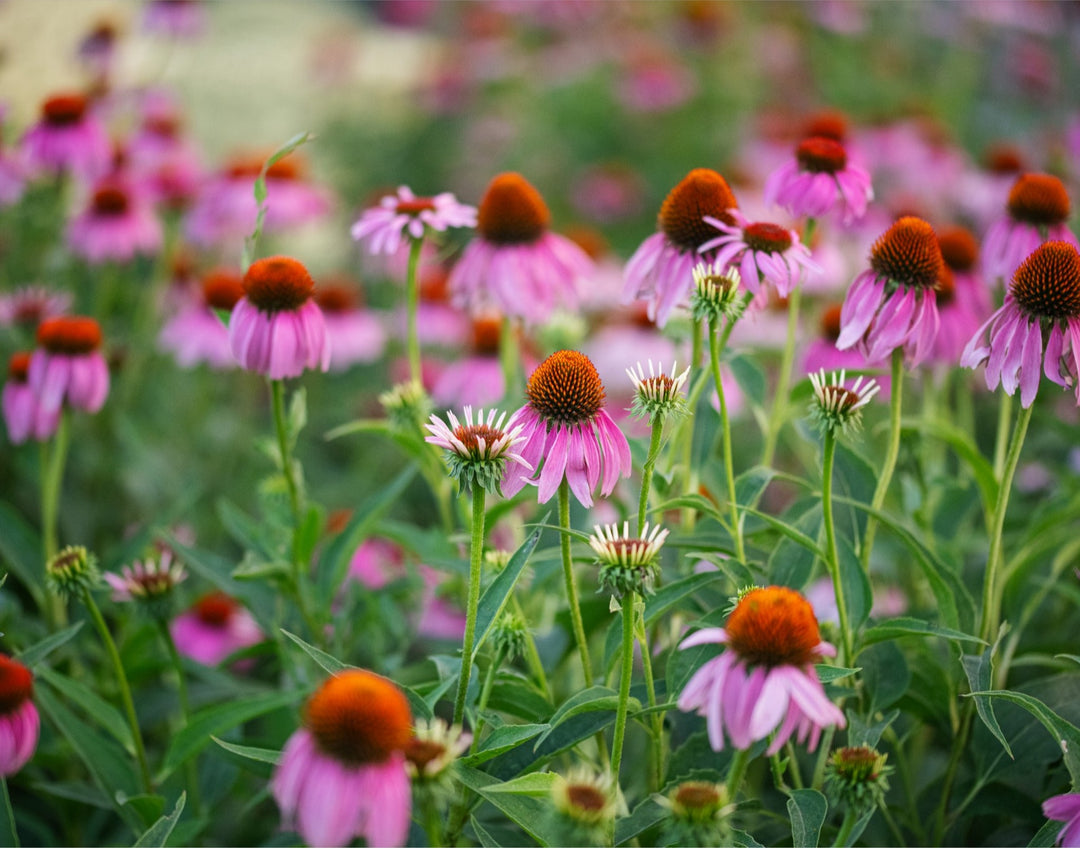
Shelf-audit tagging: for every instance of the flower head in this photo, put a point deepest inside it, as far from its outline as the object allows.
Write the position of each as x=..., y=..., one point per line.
x=698, y=813
x=19, y=720
x=214, y=627
x=117, y=224
x=894, y=304
x=477, y=453
x=584, y=806
x=383, y=226
x=765, y=680
x=67, y=366
x=277, y=329
x=818, y=180
x=1037, y=211
x=659, y=394
x=71, y=571
x=1036, y=329
x=835, y=408
x=355, y=334
x=564, y=424
x=627, y=563
x=68, y=139
x=28, y=306
x=857, y=777
x=515, y=263
x=1065, y=808
x=406, y=404
x=195, y=333
x=716, y=294
x=660, y=270
x=343, y=774
x=434, y=748
x=23, y=414
x=149, y=582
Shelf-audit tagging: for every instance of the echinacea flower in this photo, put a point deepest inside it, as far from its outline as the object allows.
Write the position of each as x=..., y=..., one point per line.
x=434, y=748
x=698, y=813
x=565, y=425
x=276, y=329
x=175, y=18
x=515, y=263
x=354, y=334
x=195, y=334
x=146, y=580
x=894, y=303
x=857, y=778
x=405, y=214
x=215, y=627
x=584, y=804
x=23, y=414
x=835, y=407
x=68, y=139
x=762, y=252
x=1037, y=329
x=627, y=563
x=28, y=306
x=659, y=393
x=764, y=681
x=478, y=378
x=477, y=454
x=822, y=354
x=67, y=366
x=117, y=224
x=343, y=774
x=72, y=571
x=820, y=179
x=1037, y=211
x=660, y=271
x=1065, y=808
x=19, y=719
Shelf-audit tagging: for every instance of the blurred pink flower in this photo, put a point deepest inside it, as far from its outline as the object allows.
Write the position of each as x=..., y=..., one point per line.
x=820, y=180
x=404, y=214
x=194, y=333
x=1037, y=211
x=23, y=414
x=355, y=334
x=1065, y=808
x=68, y=139
x=19, y=719
x=215, y=627
x=67, y=366
x=117, y=224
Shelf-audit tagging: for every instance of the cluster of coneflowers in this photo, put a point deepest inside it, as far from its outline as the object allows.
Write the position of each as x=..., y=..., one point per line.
x=361, y=759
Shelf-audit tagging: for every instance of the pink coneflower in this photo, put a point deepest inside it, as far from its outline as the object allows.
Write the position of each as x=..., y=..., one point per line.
x=343, y=774
x=762, y=252
x=396, y=216
x=564, y=424
x=23, y=414
x=147, y=580
x=175, y=18
x=28, y=306
x=215, y=627
x=765, y=680
x=515, y=263
x=1037, y=328
x=67, y=139
x=661, y=269
x=823, y=354
x=960, y=250
x=653, y=82
x=1065, y=808
x=160, y=154
x=1037, y=211
x=67, y=366
x=820, y=180
x=19, y=720
x=477, y=454
x=958, y=318
x=476, y=379
x=894, y=303
x=116, y=224
x=195, y=334
x=277, y=329
x=354, y=334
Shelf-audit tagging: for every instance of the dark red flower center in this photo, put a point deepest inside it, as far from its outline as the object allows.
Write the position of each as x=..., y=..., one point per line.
x=222, y=288
x=839, y=397
x=110, y=200
x=566, y=388
x=821, y=155
x=1003, y=159
x=585, y=797
x=63, y=110
x=16, y=684
x=335, y=298
x=946, y=287
x=19, y=366
x=774, y=626
x=470, y=436
x=358, y=718
x=166, y=126
x=423, y=752
x=1039, y=199
x=766, y=238
x=278, y=284
x=908, y=254
x=486, y=333
x=830, y=322
x=215, y=610
x=701, y=192
x=512, y=211
x=1047, y=283
x=695, y=795
x=959, y=248
x=69, y=334
x=827, y=124
x=415, y=206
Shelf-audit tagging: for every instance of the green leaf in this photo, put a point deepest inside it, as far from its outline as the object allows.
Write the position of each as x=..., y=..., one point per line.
x=309, y=532
x=700, y=503
x=503, y=739
x=1047, y=835
x=245, y=530
x=20, y=548
x=158, y=833
x=979, y=671
x=530, y=813
x=9, y=833
x=593, y=699
x=742, y=839
x=496, y=595
x=99, y=709
x=646, y=814
x=859, y=827
x=807, y=809
x=856, y=583
x=1066, y=733
x=787, y=530
x=830, y=673
x=297, y=416
x=483, y=836
x=750, y=377
x=905, y=626
x=861, y=733
x=262, y=755
x=260, y=192
x=33, y=655
x=964, y=446
x=885, y=674
x=791, y=563
x=751, y=484
x=535, y=785
x=217, y=719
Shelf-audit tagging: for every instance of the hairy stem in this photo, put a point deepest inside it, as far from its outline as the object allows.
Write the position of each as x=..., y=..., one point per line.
x=476, y=558
x=412, y=303
x=571, y=583
x=725, y=435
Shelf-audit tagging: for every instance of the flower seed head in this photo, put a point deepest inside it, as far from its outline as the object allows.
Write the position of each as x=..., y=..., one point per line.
x=1039, y=199
x=857, y=777
x=701, y=192
x=512, y=211
x=1047, y=283
x=836, y=408
x=566, y=388
x=358, y=717
x=908, y=254
x=278, y=284
x=774, y=626
x=627, y=563
x=71, y=571
x=658, y=394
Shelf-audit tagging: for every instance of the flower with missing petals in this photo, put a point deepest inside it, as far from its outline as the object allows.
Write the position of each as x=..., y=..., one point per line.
x=658, y=394
x=406, y=404
x=28, y=306
x=835, y=408
x=477, y=453
x=698, y=813
x=716, y=293
x=627, y=563
x=149, y=581
x=405, y=214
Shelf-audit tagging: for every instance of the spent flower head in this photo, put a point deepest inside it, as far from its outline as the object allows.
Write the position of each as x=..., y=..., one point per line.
x=584, y=806
x=627, y=563
x=716, y=293
x=857, y=777
x=71, y=571
x=658, y=395
x=836, y=408
x=477, y=452
x=698, y=811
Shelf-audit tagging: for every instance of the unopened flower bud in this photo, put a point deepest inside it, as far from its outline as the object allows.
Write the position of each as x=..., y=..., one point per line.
x=71, y=571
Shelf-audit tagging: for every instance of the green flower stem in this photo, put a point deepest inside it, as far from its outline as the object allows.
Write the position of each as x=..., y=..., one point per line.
x=690, y=477
x=725, y=435
x=10, y=812
x=776, y=417
x=892, y=452
x=793, y=765
x=695, y=343
x=818, y=780
x=571, y=583
x=476, y=559
x=430, y=811
x=509, y=358
x=647, y=469
x=412, y=304
x=846, y=826
x=485, y=694
x=833, y=557
x=277, y=394
x=739, y=761
x=991, y=610
x=125, y=689
x=52, y=475
x=657, y=718
x=191, y=771
x=1001, y=440
x=532, y=656
x=627, y=671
